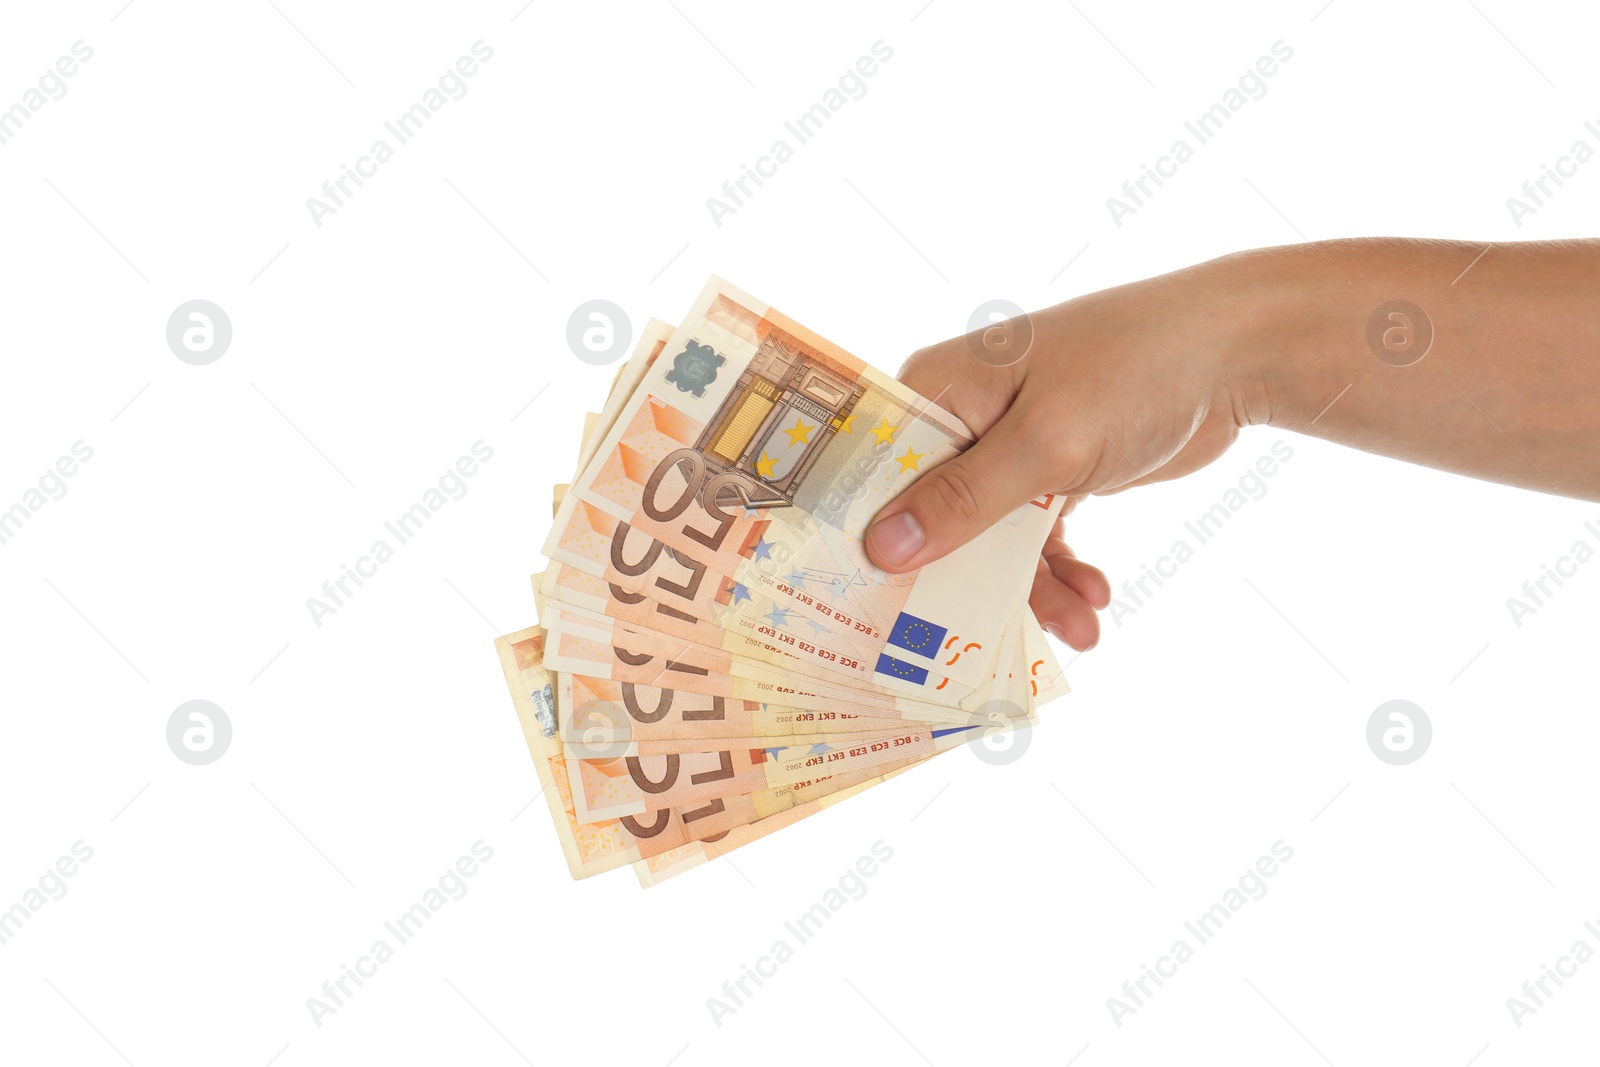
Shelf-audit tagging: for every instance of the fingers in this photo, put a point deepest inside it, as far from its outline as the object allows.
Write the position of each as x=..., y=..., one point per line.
x=952, y=377
x=1067, y=593
x=1063, y=611
x=1090, y=583
x=955, y=501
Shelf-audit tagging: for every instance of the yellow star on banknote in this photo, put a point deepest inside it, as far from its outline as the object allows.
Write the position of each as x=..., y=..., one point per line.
x=765, y=466
x=801, y=434
x=849, y=420
x=908, y=462
x=885, y=432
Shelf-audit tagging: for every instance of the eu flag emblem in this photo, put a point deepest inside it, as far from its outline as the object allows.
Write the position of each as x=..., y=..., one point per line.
x=916, y=635
x=899, y=668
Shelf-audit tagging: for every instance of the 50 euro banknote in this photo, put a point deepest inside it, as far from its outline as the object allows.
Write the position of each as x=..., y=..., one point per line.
x=655, y=869
x=763, y=641
x=595, y=645
x=741, y=660
x=703, y=459
x=604, y=711
x=1031, y=669
x=664, y=840
x=632, y=777
x=579, y=655
x=688, y=613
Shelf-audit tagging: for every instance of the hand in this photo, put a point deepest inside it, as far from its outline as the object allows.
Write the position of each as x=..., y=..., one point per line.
x=1123, y=387
x=1153, y=380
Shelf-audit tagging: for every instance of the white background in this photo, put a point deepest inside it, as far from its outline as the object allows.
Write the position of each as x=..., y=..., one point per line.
x=368, y=354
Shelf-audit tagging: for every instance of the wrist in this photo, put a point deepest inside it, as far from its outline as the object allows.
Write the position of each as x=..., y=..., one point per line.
x=1273, y=363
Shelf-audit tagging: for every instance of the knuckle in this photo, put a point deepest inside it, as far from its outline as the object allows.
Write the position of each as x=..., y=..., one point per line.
x=957, y=491
x=913, y=362
x=975, y=392
x=935, y=365
x=923, y=368
x=1056, y=443
x=1040, y=424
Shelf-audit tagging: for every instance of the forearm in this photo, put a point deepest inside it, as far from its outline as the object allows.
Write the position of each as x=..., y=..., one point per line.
x=1507, y=390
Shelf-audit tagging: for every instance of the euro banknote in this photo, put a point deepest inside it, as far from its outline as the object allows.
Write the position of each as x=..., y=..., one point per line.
x=672, y=834
x=701, y=460
x=716, y=656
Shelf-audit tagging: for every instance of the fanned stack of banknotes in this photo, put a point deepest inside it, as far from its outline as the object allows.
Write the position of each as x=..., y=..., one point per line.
x=716, y=657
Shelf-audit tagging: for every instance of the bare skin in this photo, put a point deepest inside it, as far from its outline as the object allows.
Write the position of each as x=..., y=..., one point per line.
x=1154, y=380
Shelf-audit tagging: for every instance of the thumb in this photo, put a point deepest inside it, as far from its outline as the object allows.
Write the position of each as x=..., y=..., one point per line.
x=959, y=499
